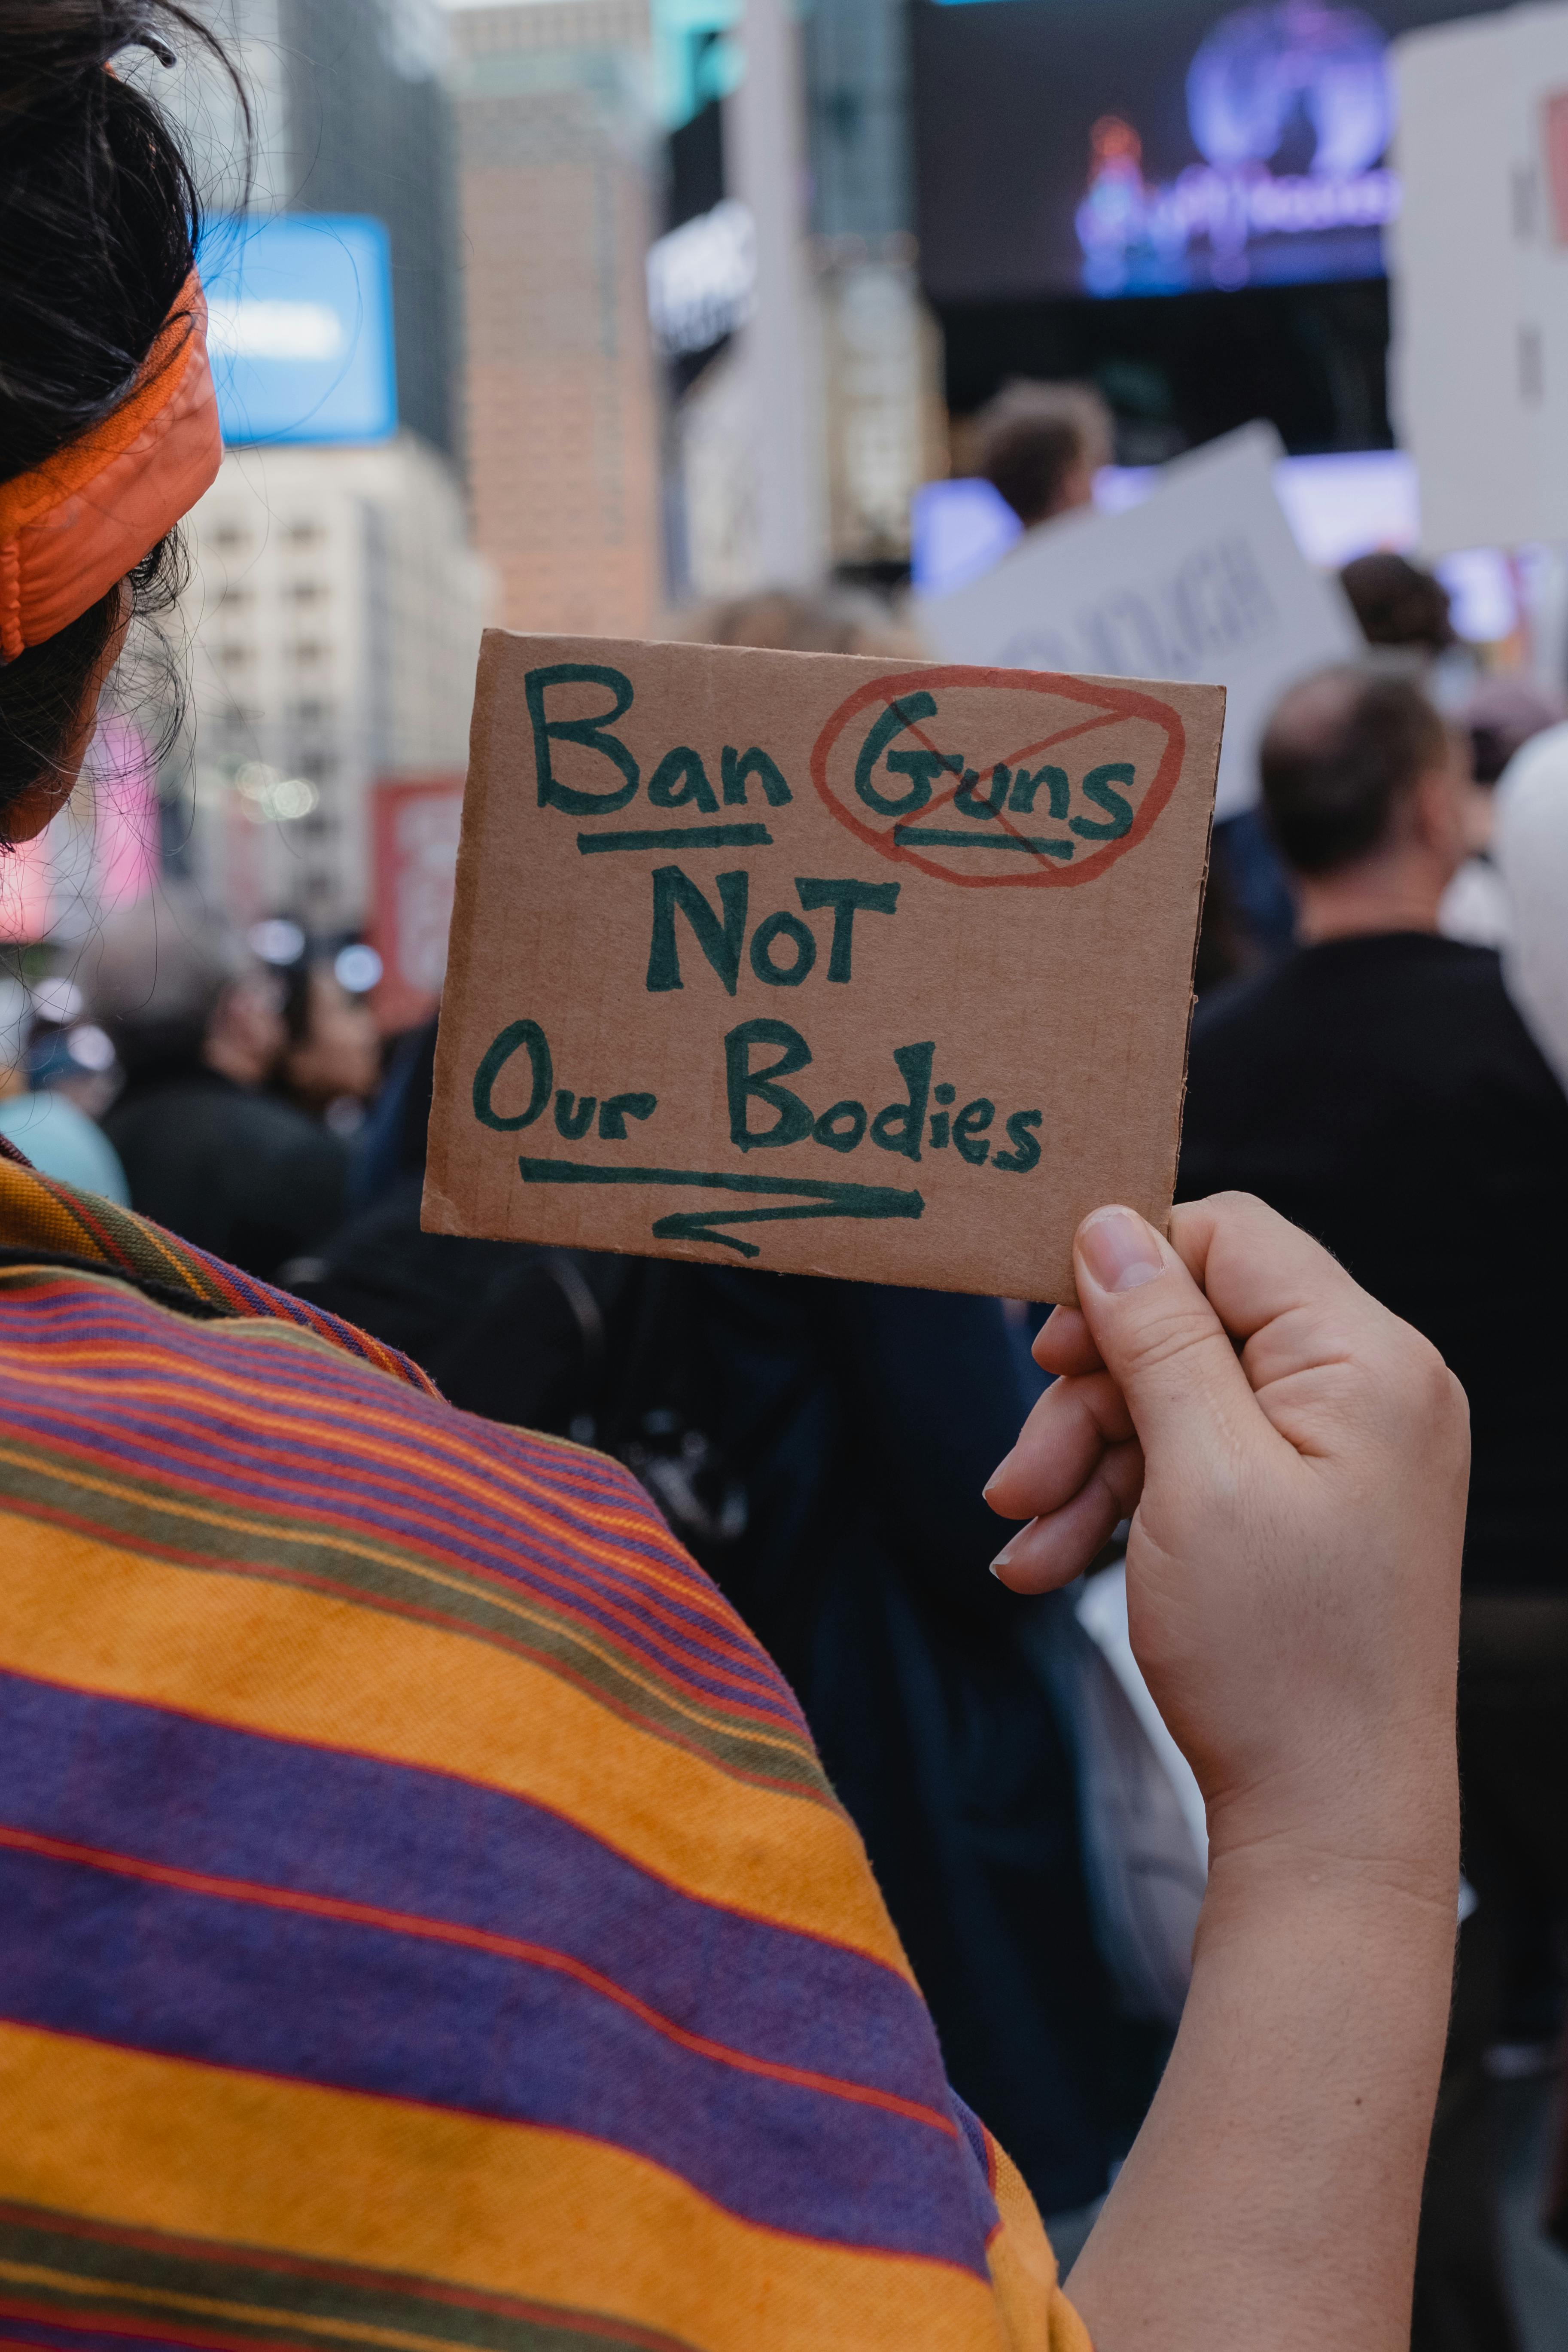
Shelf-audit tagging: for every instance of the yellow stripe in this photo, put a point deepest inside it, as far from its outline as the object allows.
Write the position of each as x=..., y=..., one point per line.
x=313, y=1536
x=270, y=1658
x=596, y=1521
x=468, y=1462
x=332, y=2176
x=37, y=1279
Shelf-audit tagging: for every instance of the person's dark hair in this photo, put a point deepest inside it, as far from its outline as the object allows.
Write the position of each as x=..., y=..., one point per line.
x=99, y=217
x=1032, y=437
x=1398, y=603
x=1338, y=755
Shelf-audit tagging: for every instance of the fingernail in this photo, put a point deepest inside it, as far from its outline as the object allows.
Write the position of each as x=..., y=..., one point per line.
x=1118, y=1249
x=1002, y=1559
x=997, y=1474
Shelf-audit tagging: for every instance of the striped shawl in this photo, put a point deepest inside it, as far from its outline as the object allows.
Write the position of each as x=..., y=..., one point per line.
x=424, y=1921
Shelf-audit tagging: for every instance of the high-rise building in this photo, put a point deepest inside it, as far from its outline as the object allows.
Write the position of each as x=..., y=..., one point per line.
x=370, y=132
x=336, y=608
x=333, y=616
x=349, y=116
x=886, y=421
x=555, y=136
x=802, y=425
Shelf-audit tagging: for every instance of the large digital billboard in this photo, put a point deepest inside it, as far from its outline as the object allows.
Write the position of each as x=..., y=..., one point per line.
x=1120, y=147
x=300, y=327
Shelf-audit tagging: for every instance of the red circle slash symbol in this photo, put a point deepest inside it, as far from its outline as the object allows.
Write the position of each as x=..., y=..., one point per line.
x=904, y=821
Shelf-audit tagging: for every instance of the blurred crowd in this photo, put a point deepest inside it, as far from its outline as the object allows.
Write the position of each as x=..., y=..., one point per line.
x=1379, y=1051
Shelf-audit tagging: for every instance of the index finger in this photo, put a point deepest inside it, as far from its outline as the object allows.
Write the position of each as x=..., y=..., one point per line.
x=1064, y=1343
x=1252, y=1264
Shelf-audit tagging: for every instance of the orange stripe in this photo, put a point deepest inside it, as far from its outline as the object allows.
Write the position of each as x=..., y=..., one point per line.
x=562, y=1519
x=638, y=1671
x=478, y=1939
x=619, y=1522
x=271, y=1658
x=1024, y=2266
x=340, y=2176
x=285, y=1312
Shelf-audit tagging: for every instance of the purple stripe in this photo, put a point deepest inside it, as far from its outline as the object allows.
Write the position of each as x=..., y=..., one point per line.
x=230, y=1448
x=700, y=1656
x=370, y=2010
x=413, y=1503
x=199, y=1796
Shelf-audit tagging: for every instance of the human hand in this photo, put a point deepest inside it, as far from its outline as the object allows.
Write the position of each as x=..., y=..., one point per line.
x=1295, y=1460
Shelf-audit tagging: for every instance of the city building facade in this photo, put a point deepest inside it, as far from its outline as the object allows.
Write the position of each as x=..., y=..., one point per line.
x=885, y=425
x=349, y=114
x=331, y=628
x=554, y=139
x=799, y=434
x=334, y=618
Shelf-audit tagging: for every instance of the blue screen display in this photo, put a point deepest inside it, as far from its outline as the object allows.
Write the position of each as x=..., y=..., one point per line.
x=300, y=327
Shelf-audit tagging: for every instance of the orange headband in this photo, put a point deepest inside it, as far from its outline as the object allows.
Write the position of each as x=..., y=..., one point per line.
x=76, y=524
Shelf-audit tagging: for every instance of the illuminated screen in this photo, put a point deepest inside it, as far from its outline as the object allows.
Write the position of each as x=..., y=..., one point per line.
x=1117, y=147
x=300, y=327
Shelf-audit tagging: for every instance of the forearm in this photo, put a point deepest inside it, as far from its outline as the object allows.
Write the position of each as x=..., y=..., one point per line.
x=1270, y=2201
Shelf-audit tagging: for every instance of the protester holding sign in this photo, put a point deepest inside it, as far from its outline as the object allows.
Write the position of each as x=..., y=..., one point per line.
x=423, y=1915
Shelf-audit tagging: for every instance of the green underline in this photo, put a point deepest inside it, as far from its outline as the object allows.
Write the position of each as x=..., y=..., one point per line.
x=888, y=1199
x=914, y=836
x=814, y=1196
x=691, y=836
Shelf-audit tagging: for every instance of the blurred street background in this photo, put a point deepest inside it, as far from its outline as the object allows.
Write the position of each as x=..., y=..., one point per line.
x=853, y=325
x=573, y=315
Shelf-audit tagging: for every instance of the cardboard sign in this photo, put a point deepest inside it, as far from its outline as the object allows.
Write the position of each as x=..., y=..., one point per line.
x=1203, y=580
x=828, y=964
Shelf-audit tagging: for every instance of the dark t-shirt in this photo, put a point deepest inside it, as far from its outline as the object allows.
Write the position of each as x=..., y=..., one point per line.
x=1384, y=1094
x=241, y=1175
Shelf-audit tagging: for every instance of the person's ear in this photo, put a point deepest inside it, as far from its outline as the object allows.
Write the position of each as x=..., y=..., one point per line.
x=42, y=801
x=1437, y=807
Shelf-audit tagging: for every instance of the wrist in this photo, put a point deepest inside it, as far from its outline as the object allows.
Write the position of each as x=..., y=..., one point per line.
x=1388, y=1818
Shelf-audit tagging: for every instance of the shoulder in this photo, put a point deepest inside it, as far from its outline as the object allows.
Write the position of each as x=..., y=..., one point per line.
x=462, y=1686
x=1466, y=984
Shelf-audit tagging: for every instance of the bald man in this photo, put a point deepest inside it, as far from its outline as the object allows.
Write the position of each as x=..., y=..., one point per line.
x=1378, y=1087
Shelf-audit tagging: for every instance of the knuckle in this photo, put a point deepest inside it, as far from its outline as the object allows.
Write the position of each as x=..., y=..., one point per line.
x=1165, y=1334
x=1419, y=1381
x=1432, y=1384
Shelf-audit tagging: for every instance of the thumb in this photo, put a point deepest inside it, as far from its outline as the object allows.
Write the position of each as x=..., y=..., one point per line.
x=1157, y=1336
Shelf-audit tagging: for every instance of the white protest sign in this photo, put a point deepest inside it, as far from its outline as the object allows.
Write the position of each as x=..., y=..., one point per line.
x=1479, y=370
x=1202, y=581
